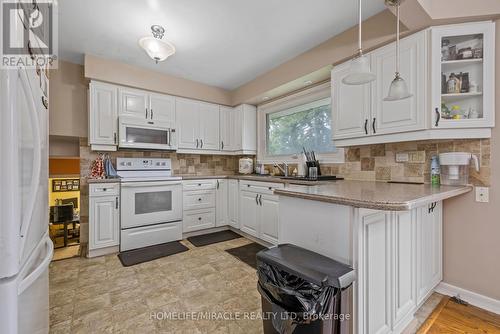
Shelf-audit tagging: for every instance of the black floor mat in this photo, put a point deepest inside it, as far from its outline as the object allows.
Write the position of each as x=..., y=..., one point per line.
x=247, y=253
x=212, y=238
x=140, y=255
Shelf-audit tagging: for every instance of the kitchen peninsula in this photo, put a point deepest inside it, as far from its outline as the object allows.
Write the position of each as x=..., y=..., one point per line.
x=390, y=233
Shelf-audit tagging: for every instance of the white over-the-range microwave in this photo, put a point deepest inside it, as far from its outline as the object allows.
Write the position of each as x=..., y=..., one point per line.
x=146, y=134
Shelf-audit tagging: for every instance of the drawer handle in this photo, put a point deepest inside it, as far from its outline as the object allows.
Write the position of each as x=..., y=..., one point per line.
x=199, y=199
x=199, y=184
x=270, y=188
x=104, y=189
x=199, y=218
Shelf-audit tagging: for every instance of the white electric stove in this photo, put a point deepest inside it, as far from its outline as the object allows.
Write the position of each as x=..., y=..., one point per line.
x=151, y=202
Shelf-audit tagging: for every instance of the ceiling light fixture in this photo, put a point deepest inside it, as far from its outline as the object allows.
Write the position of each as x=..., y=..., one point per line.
x=398, y=90
x=155, y=47
x=360, y=65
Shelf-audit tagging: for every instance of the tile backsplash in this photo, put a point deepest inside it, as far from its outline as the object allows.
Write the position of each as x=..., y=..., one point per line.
x=368, y=162
x=378, y=162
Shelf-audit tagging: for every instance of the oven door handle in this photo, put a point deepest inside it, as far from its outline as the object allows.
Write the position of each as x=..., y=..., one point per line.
x=150, y=184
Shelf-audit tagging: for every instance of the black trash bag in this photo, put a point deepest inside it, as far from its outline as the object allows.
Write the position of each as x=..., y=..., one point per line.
x=294, y=300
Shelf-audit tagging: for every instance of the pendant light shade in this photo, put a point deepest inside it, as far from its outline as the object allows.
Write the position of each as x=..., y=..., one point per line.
x=155, y=47
x=360, y=71
x=360, y=65
x=398, y=90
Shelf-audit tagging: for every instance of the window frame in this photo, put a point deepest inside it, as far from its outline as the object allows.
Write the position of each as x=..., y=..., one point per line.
x=306, y=96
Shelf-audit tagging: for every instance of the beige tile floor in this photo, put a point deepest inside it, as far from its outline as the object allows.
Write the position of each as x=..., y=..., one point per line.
x=100, y=296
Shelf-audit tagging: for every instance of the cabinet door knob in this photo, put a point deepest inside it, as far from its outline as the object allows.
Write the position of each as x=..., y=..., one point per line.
x=373, y=125
x=151, y=114
x=114, y=137
x=146, y=112
x=438, y=116
x=257, y=199
x=222, y=144
x=260, y=200
x=366, y=126
x=199, y=218
x=199, y=199
x=201, y=143
x=197, y=143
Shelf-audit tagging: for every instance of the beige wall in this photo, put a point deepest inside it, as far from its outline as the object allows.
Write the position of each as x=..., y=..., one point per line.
x=68, y=101
x=377, y=30
x=120, y=73
x=472, y=230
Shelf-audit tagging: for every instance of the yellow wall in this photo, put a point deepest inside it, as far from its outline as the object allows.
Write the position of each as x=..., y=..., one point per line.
x=62, y=195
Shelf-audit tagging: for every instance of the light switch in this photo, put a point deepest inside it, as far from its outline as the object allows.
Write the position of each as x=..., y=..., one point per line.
x=482, y=194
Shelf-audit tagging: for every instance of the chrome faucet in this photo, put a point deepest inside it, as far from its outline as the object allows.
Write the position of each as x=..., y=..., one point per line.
x=283, y=168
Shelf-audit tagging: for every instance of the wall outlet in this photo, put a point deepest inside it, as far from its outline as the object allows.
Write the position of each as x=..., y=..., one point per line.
x=411, y=156
x=402, y=157
x=482, y=194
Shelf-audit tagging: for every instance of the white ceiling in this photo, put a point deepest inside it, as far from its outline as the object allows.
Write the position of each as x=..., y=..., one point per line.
x=224, y=43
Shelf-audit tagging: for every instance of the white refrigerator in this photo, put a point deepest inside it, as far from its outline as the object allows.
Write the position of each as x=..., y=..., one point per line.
x=25, y=247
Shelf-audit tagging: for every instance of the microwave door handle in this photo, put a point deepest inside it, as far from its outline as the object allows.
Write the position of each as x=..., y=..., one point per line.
x=169, y=138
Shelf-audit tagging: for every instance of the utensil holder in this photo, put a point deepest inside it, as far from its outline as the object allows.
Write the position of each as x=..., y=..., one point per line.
x=314, y=163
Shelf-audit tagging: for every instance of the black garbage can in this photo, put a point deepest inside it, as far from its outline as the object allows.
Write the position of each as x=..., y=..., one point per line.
x=303, y=291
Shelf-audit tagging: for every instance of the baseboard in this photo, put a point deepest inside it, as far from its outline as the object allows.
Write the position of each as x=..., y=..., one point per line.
x=486, y=303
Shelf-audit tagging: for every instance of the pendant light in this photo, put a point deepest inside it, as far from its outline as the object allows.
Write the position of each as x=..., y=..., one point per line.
x=398, y=90
x=155, y=47
x=360, y=65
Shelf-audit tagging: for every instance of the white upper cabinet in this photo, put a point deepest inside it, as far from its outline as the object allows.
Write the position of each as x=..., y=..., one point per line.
x=462, y=77
x=351, y=110
x=246, y=129
x=201, y=127
x=133, y=102
x=228, y=129
x=188, y=121
x=145, y=105
x=403, y=115
x=103, y=115
x=209, y=126
x=450, y=72
x=198, y=124
x=162, y=107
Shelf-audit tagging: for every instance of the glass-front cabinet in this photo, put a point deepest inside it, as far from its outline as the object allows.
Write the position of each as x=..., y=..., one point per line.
x=462, y=75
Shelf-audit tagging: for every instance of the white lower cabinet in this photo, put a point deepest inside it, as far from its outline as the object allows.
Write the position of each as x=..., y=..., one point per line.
x=200, y=219
x=429, y=244
x=233, y=203
x=374, y=272
x=259, y=210
x=104, y=217
x=269, y=218
x=221, y=203
x=248, y=212
x=199, y=204
x=398, y=263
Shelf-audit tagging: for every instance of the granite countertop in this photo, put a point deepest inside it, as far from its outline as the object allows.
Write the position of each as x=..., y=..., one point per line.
x=375, y=195
x=255, y=177
x=103, y=180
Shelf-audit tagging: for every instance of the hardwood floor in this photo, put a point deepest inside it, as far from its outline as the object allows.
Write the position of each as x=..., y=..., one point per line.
x=452, y=317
